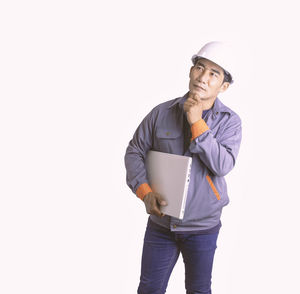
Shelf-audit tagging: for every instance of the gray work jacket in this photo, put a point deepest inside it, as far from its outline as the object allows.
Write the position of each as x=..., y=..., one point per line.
x=213, y=153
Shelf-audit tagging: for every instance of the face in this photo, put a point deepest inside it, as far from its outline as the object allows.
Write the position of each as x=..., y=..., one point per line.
x=206, y=80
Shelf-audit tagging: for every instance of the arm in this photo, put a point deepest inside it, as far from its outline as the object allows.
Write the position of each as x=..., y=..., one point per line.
x=136, y=176
x=219, y=155
x=135, y=156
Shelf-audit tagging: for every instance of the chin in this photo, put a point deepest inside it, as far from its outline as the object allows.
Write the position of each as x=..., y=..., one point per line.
x=201, y=94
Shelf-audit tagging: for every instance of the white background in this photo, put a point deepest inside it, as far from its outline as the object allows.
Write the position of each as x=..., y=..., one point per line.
x=76, y=79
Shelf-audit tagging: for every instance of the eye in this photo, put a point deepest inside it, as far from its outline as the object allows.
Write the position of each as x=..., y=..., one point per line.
x=199, y=67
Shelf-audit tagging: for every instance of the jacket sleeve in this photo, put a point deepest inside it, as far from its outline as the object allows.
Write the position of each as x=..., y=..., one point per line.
x=217, y=153
x=135, y=155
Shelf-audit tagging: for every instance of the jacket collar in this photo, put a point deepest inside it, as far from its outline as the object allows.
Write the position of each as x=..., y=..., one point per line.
x=217, y=107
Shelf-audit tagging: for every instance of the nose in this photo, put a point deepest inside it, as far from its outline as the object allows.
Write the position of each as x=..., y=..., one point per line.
x=203, y=76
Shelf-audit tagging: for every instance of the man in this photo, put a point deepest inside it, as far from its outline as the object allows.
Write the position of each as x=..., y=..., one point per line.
x=201, y=126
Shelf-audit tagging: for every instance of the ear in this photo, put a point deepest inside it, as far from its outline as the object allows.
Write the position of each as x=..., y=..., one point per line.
x=224, y=87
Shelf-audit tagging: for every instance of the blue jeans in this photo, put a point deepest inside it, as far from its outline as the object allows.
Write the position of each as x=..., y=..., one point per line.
x=161, y=251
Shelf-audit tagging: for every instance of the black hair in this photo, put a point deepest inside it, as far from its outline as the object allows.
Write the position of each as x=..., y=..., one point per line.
x=227, y=77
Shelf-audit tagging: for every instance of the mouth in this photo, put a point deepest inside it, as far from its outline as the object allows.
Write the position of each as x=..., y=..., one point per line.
x=199, y=88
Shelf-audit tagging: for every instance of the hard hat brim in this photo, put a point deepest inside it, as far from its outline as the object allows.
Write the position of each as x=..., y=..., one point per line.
x=195, y=57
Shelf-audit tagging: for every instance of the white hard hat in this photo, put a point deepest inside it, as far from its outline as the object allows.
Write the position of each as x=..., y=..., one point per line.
x=219, y=53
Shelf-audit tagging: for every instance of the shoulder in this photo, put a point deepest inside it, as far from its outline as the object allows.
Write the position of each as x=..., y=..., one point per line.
x=167, y=104
x=160, y=110
x=163, y=108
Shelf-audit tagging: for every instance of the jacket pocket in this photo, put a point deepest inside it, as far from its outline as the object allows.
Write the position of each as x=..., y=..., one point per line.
x=168, y=140
x=213, y=187
x=167, y=134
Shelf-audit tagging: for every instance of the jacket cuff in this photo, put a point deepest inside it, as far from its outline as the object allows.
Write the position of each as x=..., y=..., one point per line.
x=198, y=128
x=143, y=190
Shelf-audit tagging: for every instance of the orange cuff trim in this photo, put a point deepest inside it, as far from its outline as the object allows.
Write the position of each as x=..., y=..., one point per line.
x=198, y=128
x=143, y=190
x=213, y=187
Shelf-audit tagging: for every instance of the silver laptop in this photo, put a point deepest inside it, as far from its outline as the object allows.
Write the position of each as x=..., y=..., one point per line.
x=169, y=175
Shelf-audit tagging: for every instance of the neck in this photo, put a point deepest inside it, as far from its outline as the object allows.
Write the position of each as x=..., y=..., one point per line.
x=208, y=103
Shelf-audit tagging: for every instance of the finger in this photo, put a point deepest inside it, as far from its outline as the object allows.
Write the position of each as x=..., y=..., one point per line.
x=186, y=107
x=191, y=98
x=192, y=101
x=191, y=95
x=155, y=210
x=189, y=103
x=197, y=98
x=160, y=199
